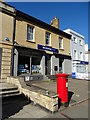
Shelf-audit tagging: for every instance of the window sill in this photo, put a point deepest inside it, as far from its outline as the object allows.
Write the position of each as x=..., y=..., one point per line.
x=75, y=43
x=48, y=45
x=31, y=41
x=61, y=48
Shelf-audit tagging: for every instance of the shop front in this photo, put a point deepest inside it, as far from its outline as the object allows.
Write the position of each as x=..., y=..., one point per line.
x=80, y=69
x=39, y=62
x=28, y=60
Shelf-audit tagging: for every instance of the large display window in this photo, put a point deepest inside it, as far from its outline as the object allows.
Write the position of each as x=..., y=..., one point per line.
x=24, y=65
x=36, y=65
x=80, y=70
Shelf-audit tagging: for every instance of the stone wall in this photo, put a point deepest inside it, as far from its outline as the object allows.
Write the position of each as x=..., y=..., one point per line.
x=39, y=37
x=6, y=63
x=38, y=96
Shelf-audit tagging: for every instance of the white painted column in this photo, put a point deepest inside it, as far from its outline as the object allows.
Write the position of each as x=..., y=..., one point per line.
x=15, y=62
x=43, y=65
x=67, y=66
x=54, y=62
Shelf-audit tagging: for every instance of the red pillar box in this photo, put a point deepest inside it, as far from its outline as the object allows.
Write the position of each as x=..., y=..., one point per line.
x=62, y=87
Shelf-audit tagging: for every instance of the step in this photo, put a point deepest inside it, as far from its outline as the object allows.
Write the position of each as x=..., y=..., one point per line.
x=10, y=95
x=9, y=92
x=9, y=88
x=6, y=86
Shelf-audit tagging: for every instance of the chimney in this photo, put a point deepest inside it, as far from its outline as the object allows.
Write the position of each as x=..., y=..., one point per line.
x=2, y=0
x=55, y=22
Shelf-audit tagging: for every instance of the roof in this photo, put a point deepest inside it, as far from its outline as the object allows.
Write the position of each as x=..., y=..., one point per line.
x=31, y=19
x=7, y=9
x=73, y=32
x=41, y=24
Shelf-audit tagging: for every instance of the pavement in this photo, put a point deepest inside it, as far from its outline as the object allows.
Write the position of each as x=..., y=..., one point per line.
x=77, y=89
x=20, y=107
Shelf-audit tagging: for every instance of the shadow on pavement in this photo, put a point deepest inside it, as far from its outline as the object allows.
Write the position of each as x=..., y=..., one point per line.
x=70, y=93
x=12, y=105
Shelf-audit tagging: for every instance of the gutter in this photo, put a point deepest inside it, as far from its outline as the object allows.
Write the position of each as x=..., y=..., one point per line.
x=14, y=27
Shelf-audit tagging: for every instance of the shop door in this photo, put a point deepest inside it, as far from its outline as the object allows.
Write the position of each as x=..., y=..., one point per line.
x=48, y=65
x=60, y=66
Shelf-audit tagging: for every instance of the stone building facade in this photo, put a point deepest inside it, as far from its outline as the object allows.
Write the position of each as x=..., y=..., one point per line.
x=6, y=39
x=29, y=45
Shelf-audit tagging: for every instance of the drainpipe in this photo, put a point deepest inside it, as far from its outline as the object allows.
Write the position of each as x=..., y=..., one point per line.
x=14, y=27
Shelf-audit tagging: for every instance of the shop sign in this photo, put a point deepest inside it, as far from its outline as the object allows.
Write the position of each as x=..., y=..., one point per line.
x=41, y=47
x=84, y=63
x=73, y=75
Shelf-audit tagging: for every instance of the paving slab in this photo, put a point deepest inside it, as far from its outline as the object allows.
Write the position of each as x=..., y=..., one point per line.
x=19, y=107
x=77, y=111
x=77, y=89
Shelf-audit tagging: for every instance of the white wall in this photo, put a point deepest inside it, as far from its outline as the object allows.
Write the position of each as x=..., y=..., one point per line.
x=76, y=46
x=54, y=62
x=67, y=66
x=86, y=52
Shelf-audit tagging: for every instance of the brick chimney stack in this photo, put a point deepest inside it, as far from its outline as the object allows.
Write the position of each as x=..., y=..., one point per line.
x=55, y=22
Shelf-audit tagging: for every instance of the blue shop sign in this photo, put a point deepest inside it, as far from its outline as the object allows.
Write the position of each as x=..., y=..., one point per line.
x=84, y=62
x=73, y=75
x=41, y=47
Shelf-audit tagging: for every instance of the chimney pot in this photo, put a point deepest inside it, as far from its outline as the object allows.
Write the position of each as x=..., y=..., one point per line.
x=55, y=17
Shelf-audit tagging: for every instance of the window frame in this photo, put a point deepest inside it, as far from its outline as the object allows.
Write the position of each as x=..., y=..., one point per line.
x=81, y=55
x=80, y=43
x=75, y=40
x=60, y=38
x=33, y=33
x=75, y=57
x=47, y=38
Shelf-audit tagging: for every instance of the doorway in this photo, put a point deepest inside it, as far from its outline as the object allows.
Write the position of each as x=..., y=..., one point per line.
x=60, y=65
x=48, y=65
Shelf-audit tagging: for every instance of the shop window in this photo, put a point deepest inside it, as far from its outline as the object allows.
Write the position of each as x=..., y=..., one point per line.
x=36, y=65
x=23, y=65
x=30, y=33
x=81, y=68
x=48, y=38
x=60, y=43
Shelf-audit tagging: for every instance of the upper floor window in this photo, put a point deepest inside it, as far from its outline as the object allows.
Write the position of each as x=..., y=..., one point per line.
x=60, y=43
x=80, y=42
x=75, y=54
x=81, y=56
x=75, y=40
x=48, y=38
x=30, y=33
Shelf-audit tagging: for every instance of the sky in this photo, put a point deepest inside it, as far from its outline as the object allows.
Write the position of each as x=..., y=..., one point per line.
x=73, y=15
